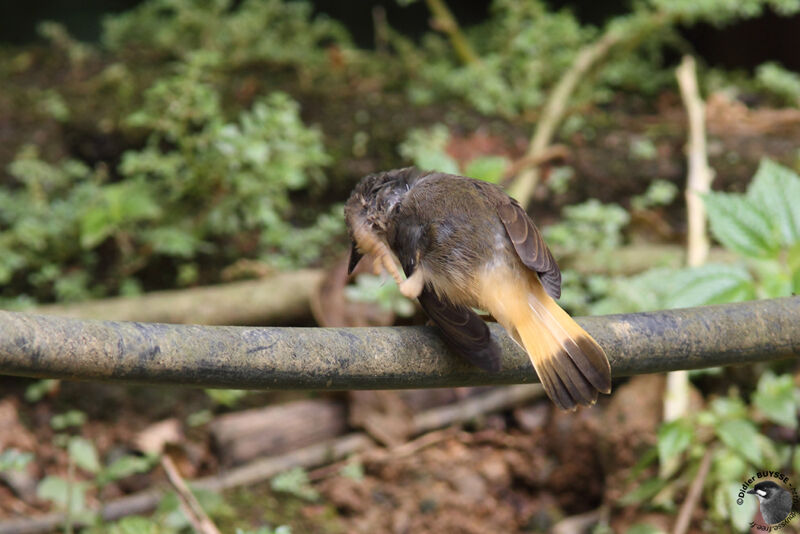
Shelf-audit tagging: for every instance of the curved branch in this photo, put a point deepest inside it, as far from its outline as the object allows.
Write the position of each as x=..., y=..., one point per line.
x=376, y=358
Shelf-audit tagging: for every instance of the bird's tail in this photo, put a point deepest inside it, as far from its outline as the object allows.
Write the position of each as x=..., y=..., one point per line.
x=571, y=365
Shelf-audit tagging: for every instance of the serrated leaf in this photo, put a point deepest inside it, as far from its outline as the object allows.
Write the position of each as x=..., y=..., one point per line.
x=487, y=168
x=741, y=436
x=84, y=454
x=740, y=225
x=709, y=284
x=775, y=398
x=776, y=190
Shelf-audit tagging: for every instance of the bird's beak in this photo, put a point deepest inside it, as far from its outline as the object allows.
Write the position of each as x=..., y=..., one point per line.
x=751, y=492
x=355, y=257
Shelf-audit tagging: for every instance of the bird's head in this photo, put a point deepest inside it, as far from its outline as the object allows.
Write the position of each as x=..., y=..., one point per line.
x=765, y=490
x=369, y=209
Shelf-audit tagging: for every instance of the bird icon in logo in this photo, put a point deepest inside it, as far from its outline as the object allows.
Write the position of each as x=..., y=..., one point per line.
x=775, y=502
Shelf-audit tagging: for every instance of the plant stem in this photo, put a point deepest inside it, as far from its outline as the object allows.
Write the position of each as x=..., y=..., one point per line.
x=556, y=105
x=444, y=21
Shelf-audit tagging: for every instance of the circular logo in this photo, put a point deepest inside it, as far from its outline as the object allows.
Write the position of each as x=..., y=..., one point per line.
x=776, y=497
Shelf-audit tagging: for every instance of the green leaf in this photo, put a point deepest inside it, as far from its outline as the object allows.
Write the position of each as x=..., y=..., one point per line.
x=741, y=436
x=740, y=225
x=135, y=525
x=67, y=419
x=487, y=168
x=776, y=190
x=95, y=226
x=14, y=460
x=775, y=398
x=708, y=284
x=646, y=491
x=674, y=437
x=124, y=467
x=644, y=528
x=58, y=491
x=84, y=454
x=295, y=481
x=729, y=466
x=353, y=470
x=728, y=408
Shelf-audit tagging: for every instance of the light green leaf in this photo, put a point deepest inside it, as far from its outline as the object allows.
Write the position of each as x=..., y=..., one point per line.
x=135, y=525
x=775, y=398
x=67, y=419
x=295, y=481
x=729, y=466
x=58, y=491
x=14, y=460
x=644, y=492
x=124, y=467
x=644, y=528
x=741, y=436
x=84, y=454
x=776, y=190
x=709, y=284
x=674, y=437
x=740, y=225
x=95, y=226
x=487, y=168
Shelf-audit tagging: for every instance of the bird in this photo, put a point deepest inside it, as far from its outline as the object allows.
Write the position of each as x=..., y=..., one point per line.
x=775, y=502
x=464, y=244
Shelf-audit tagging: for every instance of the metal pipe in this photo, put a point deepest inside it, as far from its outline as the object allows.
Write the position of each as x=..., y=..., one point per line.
x=376, y=358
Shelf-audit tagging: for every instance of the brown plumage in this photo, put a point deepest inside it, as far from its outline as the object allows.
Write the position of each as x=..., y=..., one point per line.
x=465, y=244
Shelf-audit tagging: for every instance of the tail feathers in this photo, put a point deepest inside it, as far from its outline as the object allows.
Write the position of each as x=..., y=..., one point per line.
x=571, y=365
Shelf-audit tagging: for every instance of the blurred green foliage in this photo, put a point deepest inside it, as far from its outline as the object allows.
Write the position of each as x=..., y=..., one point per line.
x=201, y=187
x=426, y=148
x=762, y=227
x=524, y=48
x=735, y=434
x=269, y=31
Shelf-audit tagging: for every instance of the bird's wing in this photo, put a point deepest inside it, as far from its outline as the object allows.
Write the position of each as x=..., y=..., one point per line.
x=463, y=331
x=530, y=245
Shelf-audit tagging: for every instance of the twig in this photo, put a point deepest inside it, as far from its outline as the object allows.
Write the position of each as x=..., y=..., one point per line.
x=554, y=108
x=693, y=496
x=191, y=508
x=444, y=21
x=529, y=161
x=700, y=173
x=472, y=407
x=556, y=104
x=676, y=399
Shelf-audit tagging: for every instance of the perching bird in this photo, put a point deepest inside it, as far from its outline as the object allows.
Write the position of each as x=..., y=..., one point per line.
x=465, y=244
x=775, y=502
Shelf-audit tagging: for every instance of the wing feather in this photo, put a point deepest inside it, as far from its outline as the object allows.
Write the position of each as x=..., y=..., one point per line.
x=463, y=331
x=530, y=245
